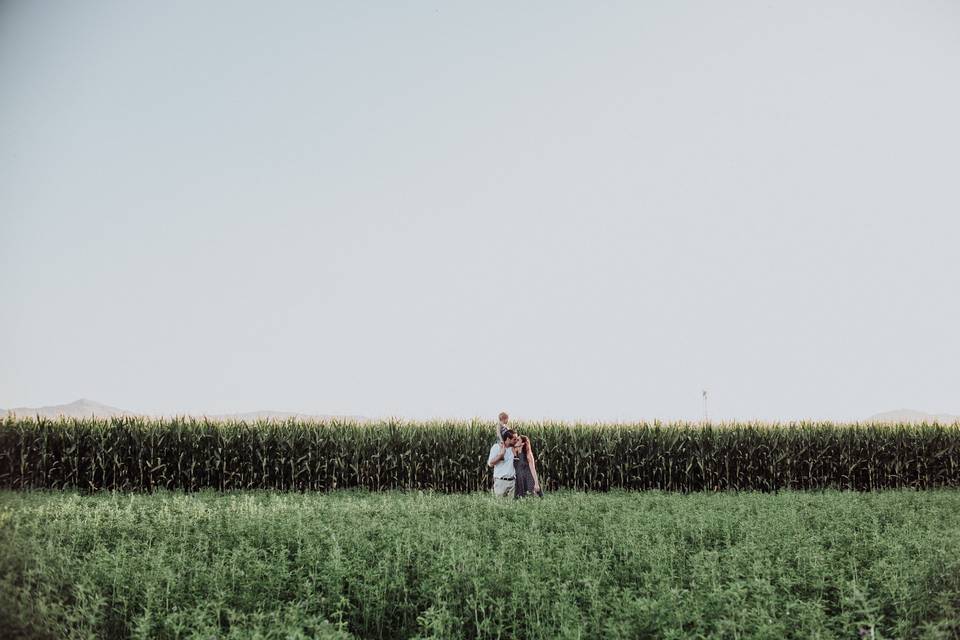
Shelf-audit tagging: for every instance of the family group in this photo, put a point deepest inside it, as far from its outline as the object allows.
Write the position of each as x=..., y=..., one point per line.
x=513, y=463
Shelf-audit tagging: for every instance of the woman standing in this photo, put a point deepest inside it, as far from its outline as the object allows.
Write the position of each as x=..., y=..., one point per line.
x=525, y=465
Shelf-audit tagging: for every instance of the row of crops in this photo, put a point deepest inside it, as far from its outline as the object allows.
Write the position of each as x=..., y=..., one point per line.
x=188, y=454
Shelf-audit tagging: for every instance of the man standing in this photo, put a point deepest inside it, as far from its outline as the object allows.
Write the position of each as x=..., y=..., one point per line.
x=501, y=461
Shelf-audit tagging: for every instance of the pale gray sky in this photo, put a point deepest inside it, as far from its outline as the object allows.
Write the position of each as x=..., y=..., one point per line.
x=574, y=210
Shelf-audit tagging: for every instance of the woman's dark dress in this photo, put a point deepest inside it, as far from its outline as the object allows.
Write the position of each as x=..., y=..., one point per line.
x=524, y=477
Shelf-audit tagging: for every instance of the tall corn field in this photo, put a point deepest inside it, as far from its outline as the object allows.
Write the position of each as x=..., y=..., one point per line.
x=189, y=454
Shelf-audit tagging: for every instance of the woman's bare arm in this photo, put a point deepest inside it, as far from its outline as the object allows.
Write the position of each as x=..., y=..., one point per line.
x=533, y=463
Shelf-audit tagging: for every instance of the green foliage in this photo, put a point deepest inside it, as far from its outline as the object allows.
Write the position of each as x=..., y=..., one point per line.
x=188, y=454
x=428, y=565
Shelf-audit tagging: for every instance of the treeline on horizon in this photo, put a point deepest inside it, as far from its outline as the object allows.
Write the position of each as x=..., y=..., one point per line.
x=189, y=454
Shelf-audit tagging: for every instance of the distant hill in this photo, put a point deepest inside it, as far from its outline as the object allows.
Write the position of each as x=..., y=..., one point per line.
x=910, y=415
x=84, y=408
x=81, y=408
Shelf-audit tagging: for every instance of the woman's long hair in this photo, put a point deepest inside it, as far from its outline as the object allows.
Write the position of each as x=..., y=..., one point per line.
x=526, y=447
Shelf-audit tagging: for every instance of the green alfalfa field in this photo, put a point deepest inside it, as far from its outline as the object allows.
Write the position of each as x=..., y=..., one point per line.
x=425, y=564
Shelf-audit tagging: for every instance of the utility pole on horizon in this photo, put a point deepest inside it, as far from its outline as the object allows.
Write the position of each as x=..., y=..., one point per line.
x=706, y=417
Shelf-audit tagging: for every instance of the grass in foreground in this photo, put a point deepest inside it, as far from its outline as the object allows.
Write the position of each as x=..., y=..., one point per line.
x=401, y=565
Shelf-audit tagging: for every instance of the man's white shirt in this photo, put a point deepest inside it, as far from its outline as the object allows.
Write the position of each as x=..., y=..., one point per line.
x=504, y=468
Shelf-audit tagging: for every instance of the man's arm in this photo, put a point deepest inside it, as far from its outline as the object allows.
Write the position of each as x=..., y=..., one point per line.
x=496, y=457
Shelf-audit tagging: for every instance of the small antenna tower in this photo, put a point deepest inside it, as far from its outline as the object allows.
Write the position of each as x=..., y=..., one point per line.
x=706, y=416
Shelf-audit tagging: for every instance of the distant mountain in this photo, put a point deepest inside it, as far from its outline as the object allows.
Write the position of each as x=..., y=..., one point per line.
x=909, y=415
x=81, y=408
x=84, y=408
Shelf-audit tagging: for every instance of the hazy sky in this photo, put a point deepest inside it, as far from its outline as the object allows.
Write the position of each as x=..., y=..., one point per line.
x=576, y=210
